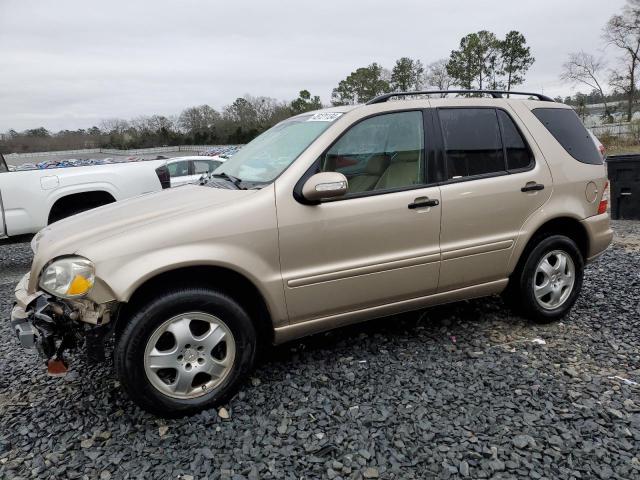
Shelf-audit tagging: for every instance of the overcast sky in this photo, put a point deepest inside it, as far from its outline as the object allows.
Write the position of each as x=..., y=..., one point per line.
x=70, y=63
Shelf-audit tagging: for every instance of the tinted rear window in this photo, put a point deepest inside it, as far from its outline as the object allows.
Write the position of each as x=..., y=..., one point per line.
x=569, y=131
x=472, y=141
x=518, y=154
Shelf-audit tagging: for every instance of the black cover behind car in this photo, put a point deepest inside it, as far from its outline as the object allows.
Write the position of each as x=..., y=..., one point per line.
x=624, y=175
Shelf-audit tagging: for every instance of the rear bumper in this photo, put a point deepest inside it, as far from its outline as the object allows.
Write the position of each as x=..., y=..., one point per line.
x=599, y=231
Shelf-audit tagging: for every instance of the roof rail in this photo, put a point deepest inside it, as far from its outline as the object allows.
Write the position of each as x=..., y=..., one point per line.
x=494, y=93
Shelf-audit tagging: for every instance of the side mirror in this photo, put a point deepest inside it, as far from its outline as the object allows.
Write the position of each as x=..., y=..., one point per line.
x=325, y=185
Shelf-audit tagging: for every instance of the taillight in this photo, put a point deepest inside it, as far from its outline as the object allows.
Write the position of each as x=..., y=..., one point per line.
x=604, y=200
x=603, y=150
x=163, y=176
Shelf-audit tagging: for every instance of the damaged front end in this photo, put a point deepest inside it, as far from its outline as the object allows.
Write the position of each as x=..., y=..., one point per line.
x=53, y=326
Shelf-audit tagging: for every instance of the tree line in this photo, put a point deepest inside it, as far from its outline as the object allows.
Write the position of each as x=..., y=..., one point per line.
x=605, y=79
x=236, y=123
x=482, y=60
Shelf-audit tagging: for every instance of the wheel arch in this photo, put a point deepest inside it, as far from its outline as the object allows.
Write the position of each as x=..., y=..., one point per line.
x=223, y=279
x=562, y=225
x=65, y=202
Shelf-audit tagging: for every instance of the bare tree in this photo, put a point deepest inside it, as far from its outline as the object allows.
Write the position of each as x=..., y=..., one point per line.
x=623, y=32
x=585, y=68
x=437, y=76
x=114, y=126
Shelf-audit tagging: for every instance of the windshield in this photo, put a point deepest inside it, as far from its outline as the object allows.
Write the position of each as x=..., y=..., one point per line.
x=269, y=154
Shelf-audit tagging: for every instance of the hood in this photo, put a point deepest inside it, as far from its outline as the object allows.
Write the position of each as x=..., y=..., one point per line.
x=90, y=228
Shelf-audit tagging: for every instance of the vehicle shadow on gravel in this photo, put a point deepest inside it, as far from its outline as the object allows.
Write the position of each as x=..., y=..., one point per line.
x=437, y=323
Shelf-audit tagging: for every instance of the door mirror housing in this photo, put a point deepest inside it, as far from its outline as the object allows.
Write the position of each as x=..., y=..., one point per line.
x=325, y=185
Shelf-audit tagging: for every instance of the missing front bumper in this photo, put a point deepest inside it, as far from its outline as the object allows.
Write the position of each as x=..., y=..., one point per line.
x=53, y=326
x=23, y=328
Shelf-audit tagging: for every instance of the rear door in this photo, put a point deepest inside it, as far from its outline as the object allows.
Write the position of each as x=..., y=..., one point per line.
x=494, y=179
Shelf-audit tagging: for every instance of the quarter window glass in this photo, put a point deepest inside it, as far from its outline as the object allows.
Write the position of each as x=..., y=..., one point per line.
x=518, y=153
x=568, y=130
x=472, y=141
x=178, y=169
x=380, y=153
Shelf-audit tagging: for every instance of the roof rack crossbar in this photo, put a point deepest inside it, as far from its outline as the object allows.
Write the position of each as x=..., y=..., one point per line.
x=494, y=93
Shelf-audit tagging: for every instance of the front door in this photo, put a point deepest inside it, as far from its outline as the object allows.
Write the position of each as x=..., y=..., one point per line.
x=202, y=167
x=494, y=180
x=377, y=245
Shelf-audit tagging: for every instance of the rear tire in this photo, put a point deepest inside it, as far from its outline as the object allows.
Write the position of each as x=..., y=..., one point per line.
x=184, y=351
x=549, y=281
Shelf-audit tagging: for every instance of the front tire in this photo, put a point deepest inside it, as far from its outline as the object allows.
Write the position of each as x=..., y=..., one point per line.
x=185, y=351
x=550, y=279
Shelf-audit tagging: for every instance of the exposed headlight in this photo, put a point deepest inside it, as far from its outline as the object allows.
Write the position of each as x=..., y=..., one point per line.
x=70, y=277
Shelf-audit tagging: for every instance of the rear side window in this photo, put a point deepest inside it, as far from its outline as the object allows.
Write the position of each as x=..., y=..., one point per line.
x=472, y=142
x=569, y=131
x=519, y=156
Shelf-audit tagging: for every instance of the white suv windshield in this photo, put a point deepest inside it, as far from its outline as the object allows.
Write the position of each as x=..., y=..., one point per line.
x=269, y=154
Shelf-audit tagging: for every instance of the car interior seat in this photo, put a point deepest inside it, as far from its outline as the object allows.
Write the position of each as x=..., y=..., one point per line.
x=376, y=166
x=405, y=144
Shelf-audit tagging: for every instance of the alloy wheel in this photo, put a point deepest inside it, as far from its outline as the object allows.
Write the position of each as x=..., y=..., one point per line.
x=189, y=355
x=554, y=279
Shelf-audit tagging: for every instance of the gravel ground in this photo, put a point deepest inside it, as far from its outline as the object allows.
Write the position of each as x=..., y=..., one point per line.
x=466, y=390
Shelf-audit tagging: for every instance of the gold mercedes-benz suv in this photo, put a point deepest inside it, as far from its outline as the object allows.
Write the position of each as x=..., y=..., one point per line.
x=329, y=218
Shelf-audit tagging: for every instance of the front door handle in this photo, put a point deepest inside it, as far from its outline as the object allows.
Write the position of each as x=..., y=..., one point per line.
x=422, y=202
x=532, y=187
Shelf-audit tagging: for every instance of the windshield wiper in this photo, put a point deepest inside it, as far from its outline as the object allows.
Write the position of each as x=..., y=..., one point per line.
x=235, y=180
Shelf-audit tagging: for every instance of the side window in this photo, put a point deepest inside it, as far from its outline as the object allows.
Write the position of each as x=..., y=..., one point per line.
x=205, y=166
x=178, y=169
x=3, y=164
x=380, y=153
x=566, y=127
x=472, y=141
x=518, y=154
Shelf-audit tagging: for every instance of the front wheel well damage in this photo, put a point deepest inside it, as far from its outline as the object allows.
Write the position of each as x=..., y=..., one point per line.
x=224, y=280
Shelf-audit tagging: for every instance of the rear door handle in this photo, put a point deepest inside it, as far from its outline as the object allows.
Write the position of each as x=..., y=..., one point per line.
x=422, y=202
x=532, y=187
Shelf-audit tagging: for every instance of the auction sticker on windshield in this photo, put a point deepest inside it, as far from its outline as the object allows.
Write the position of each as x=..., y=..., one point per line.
x=325, y=117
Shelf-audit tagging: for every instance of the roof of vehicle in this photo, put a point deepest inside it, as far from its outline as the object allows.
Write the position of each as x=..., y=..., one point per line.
x=492, y=93
x=215, y=158
x=479, y=96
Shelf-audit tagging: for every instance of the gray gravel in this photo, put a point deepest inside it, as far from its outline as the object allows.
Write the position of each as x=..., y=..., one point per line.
x=466, y=390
